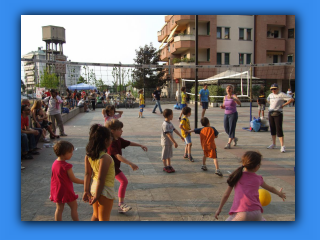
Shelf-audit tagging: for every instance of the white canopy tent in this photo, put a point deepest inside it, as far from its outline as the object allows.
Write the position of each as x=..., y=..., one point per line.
x=229, y=74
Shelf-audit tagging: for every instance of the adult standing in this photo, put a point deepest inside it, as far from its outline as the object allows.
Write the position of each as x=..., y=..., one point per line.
x=229, y=105
x=93, y=96
x=276, y=101
x=69, y=98
x=54, y=111
x=107, y=93
x=204, y=99
x=290, y=94
x=178, y=97
x=157, y=96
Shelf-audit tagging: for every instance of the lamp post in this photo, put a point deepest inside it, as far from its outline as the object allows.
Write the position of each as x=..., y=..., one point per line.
x=146, y=52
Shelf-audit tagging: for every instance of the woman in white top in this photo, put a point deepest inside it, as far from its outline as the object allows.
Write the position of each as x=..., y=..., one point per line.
x=276, y=101
x=178, y=97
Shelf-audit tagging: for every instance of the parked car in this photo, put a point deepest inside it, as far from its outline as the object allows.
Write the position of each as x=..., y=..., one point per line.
x=23, y=96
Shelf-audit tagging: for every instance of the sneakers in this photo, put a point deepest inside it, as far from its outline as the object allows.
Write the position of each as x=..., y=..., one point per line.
x=124, y=208
x=283, y=149
x=235, y=141
x=272, y=146
x=168, y=169
x=204, y=168
x=153, y=112
x=22, y=167
x=185, y=155
x=138, y=116
x=191, y=159
x=172, y=169
x=142, y=116
x=227, y=146
x=63, y=135
x=219, y=173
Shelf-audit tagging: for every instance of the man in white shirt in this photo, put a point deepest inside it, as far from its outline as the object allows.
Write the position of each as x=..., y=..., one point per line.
x=54, y=111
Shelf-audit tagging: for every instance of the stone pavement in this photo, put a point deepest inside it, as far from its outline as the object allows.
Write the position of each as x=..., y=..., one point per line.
x=189, y=194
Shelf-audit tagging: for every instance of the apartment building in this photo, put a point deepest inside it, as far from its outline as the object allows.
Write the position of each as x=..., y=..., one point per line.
x=227, y=40
x=33, y=70
x=275, y=43
x=223, y=40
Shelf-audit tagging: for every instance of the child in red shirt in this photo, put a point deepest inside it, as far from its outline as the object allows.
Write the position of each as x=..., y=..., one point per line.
x=207, y=136
x=62, y=177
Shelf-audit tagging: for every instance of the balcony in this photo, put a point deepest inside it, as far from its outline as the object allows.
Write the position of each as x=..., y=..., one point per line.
x=185, y=42
x=164, y=54
x=167, y=18
x=279, y=20
x=275, y=44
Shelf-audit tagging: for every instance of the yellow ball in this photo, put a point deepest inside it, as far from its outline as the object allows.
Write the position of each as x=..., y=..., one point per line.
x=264, y=197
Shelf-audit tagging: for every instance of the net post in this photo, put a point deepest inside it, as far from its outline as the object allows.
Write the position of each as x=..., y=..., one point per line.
x=250, y=92
x=196, y=85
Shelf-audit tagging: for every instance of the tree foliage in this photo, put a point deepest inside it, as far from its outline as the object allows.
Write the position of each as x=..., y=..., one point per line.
x=153, y=76
x=23, y=86
x=49, y=80
x=81, y=80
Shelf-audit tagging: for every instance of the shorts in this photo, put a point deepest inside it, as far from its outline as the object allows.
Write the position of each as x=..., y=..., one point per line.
x=210, y=153
x=166, y=152
x=80, y=106
x=262, y=107
x=183, y=105
x=141, y=106
x=204, y=105
x=187, y=139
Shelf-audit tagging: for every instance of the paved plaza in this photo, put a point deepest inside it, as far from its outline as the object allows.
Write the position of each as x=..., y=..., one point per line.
x=189, y=194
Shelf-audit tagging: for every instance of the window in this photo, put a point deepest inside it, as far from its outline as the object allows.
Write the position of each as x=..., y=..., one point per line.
x=241, y=34
x=226, y=58
x=219, y=32
x=226, y=33
x=291, y=33
x=218, y=58
x=208, y=28
x=275, y=58
x=248, y=34
x=241, y=55
x=290, y=58
x=208, y=54
x=248, y=58
x=276, y=34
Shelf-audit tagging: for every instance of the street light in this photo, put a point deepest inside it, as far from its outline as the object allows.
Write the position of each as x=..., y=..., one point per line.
x=146, y=52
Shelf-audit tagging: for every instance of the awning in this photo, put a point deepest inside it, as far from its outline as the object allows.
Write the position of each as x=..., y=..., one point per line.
x=163, y=41
x=164, y=26
x=171, y=34
x=274, y=53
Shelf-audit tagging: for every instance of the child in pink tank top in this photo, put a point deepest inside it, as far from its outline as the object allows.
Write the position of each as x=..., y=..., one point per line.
x=246, y=204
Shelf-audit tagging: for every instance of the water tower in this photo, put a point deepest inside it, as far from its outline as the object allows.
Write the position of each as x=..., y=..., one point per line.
x=55, y=37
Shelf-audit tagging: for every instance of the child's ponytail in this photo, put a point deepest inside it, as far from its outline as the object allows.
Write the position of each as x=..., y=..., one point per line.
x=250, y=160
x=235, y=176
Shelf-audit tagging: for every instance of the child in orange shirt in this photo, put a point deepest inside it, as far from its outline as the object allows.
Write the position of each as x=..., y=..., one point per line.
x=207, y=136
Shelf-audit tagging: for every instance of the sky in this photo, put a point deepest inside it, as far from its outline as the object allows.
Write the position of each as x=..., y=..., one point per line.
x=94, y=38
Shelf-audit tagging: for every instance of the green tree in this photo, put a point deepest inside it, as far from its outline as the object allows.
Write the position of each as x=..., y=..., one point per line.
x=49, y=80
x=81, y=80
x=153, y=76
